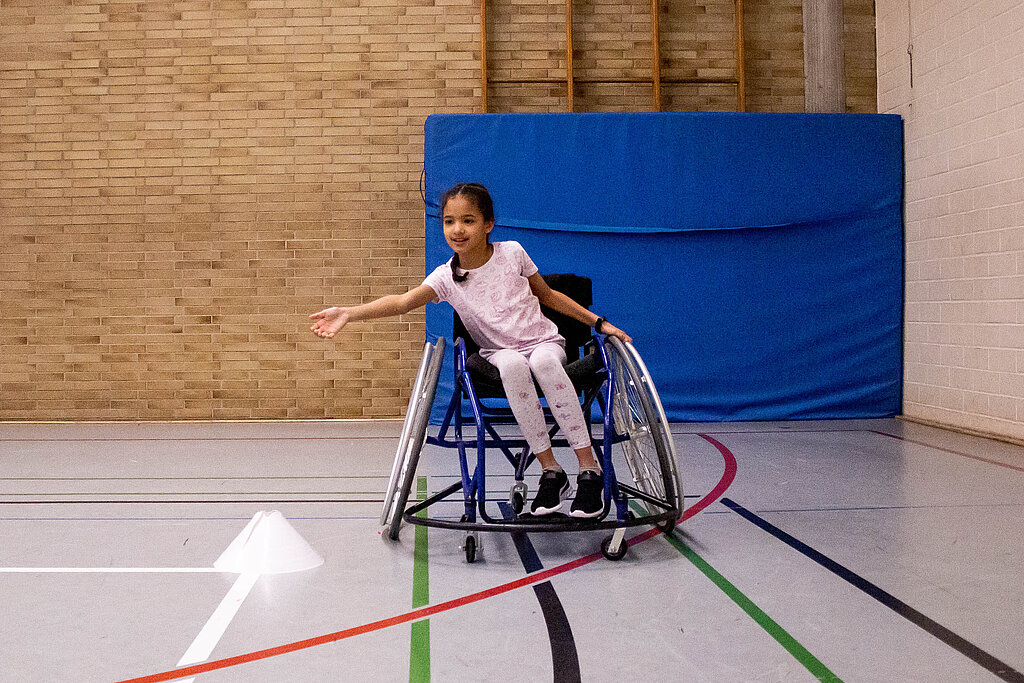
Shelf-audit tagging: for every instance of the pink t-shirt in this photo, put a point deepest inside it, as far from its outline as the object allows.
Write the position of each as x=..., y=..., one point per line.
x=496, y=304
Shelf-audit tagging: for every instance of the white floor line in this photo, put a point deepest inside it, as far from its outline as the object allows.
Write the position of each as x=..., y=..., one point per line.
x=110, y=570
x=210, y=635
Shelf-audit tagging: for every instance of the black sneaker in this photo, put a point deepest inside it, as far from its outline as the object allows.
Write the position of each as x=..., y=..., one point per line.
x=554, y=488
x=589, y=495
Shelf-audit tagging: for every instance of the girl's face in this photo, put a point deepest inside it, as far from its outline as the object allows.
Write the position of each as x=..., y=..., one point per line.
x=465, y=230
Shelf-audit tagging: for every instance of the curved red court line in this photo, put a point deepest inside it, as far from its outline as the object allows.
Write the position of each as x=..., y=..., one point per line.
x=727, y=478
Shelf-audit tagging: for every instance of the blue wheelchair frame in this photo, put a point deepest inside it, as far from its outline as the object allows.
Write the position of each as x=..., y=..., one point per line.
x=473, y=484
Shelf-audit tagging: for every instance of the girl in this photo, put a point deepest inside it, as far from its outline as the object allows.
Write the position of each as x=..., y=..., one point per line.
x=498, y=292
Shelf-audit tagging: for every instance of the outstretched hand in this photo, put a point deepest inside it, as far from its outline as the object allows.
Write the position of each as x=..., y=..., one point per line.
x=329, y=321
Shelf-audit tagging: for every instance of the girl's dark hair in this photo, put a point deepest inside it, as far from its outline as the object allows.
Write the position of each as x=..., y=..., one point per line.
x=479, y=195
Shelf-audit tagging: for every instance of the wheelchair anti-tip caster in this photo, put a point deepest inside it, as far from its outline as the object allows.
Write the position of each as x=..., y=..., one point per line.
x=470, y=547
x=517, y=496
x=619, y=552
x=471, y=544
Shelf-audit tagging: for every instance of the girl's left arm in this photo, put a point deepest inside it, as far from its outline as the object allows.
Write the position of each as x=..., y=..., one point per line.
x=557, y=301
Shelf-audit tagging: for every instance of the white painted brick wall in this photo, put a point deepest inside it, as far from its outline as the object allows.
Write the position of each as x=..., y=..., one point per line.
x=964, y=124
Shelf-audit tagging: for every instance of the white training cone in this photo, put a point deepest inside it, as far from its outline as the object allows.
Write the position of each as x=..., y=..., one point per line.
x=268, y=545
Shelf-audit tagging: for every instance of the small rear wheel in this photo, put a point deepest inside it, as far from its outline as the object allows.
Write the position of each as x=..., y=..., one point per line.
x=666, y=526
x=470, y=549
x=618, y=554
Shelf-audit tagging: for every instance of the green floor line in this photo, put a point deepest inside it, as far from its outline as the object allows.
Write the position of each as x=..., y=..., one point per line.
x=419, y=653
x=781, y=636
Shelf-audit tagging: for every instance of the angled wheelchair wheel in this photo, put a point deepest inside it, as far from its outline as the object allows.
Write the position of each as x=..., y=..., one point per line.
x=659, y=410
x=638, y=414
x=410, y=443
x=403, y=440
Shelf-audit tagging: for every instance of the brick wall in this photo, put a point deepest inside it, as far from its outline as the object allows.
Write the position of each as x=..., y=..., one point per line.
x=183, y=182
x=964, y=208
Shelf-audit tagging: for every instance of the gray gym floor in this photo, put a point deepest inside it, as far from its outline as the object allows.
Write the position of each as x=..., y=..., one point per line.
x=871, y=550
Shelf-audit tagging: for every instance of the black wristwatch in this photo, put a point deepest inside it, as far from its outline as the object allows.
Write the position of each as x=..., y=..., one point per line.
x=599, y=323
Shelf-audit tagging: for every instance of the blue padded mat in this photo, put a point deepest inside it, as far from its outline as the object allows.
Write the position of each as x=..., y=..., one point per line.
x=757, y=259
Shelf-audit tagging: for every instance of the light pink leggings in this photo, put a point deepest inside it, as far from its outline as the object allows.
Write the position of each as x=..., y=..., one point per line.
x=544, y=363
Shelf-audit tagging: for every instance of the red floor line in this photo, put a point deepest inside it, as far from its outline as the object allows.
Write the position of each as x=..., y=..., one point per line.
x=723, y=484
x=947, y=450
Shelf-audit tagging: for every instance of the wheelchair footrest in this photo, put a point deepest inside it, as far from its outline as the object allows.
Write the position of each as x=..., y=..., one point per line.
x=526, y=521
x=565, y=524
x=530, y=518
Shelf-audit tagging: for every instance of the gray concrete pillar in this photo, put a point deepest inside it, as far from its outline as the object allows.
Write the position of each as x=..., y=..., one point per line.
x=824, y=75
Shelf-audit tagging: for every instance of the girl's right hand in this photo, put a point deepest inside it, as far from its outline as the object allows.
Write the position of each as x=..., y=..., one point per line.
x=329, y=321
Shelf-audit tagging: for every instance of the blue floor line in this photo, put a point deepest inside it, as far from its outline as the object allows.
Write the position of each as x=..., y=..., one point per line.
x=958, y=643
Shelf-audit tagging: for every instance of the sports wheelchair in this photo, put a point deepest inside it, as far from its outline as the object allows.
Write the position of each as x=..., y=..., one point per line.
x=602, y=369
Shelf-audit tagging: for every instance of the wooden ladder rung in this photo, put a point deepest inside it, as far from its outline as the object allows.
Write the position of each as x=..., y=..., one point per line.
x=656, y=80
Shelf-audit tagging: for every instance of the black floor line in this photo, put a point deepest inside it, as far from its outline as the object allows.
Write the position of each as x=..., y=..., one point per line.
x=961, y=645
x=565, y=661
